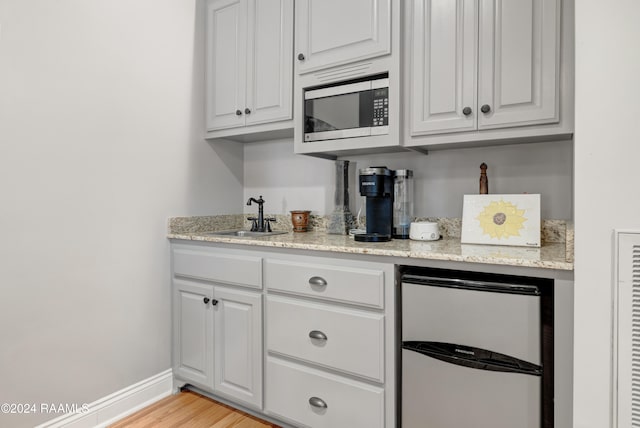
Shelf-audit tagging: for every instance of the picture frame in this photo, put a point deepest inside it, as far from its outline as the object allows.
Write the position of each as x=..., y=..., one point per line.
x=501, y=220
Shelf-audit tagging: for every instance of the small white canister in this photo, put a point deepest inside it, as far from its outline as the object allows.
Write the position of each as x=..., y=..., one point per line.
x=424, y=231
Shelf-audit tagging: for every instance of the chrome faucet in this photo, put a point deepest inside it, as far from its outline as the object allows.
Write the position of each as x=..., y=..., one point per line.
x=258, y=224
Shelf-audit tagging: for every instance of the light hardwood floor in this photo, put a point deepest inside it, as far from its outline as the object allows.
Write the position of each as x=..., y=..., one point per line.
x=188, y=409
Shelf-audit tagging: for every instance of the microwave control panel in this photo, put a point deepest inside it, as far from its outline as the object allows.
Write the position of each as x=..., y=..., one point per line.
x=381, y=107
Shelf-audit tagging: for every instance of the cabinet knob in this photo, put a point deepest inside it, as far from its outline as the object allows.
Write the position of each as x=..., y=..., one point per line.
x=318, y=335
x=205, y=300
x=238, y=112
x=485, y=108
x=466, y=111
x=317, y=402
x=214, y=302
x=247, y=111
x=301, y=57
x=317, y=281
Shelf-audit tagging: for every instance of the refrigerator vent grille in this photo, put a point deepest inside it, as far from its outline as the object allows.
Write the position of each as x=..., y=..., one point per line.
x=627, y=340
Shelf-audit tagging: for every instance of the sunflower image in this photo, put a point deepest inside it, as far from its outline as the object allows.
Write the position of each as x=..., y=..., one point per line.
x=501, y=220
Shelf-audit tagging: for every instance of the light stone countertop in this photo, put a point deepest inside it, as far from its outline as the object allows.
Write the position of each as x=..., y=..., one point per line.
x=550, y=256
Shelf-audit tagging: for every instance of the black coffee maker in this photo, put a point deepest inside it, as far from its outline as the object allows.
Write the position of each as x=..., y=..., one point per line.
x=376, y=184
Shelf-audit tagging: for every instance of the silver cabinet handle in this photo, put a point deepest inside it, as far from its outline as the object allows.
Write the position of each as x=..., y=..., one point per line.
x=316, y=334
x=317, y=280
x=317, y=402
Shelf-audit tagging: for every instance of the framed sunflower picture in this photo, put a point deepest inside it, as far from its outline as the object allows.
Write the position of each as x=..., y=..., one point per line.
x=501, y=220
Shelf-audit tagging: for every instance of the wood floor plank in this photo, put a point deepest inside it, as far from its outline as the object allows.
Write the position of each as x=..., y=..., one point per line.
x=210, y=417
x=189, y=409
x=146, y=417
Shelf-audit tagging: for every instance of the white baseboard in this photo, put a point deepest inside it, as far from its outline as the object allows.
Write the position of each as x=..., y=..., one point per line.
x=113, y=407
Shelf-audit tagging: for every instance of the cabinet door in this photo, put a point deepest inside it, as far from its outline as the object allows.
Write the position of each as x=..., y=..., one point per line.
x=193, y=333
x=270, y=61
x=334, y=32
x=443, y=66
x=519, y=52
x=238, y=348
x=226, y=63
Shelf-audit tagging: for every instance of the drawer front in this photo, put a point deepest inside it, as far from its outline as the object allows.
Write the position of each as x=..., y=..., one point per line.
x=348, y=340
x=336, y=283
x=218, y=266
x=292, y=388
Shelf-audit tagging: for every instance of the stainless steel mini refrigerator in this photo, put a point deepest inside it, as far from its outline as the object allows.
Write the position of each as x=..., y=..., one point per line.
x=471, y=351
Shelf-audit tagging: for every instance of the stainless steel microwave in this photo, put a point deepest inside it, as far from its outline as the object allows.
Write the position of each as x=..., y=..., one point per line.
x=357, y=108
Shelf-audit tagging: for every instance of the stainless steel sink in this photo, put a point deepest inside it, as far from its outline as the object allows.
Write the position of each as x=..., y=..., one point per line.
x=245, y=233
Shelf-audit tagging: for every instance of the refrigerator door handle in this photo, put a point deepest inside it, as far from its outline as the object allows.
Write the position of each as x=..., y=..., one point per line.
x=472, y=357
x=465, y=284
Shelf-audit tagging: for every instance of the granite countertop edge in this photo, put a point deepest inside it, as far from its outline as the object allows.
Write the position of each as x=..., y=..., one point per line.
x=549, y=256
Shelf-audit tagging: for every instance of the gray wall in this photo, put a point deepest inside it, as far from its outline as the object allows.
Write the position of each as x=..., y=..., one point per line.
x=288, y=181
x=101, y=125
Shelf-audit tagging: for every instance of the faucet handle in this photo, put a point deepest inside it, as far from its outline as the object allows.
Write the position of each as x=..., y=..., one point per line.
x=254, y=223
x=268, y=221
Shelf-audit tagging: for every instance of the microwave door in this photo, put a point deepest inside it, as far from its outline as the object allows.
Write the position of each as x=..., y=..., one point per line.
x=338, y=112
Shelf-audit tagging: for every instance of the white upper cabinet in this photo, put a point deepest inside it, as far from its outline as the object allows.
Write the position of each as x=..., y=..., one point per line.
x=336, y=32
x=340, y=41
x=270, y=64
x=443, y=84
x=226, y=63
x=518, y=71
x=484, y=65
x=249, y=65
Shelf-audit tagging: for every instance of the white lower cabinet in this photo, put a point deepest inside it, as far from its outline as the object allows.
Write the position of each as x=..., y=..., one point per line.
x=217, y=329
x=238, y=345
x=193, y=333
x=313, y=398
x=329, y=325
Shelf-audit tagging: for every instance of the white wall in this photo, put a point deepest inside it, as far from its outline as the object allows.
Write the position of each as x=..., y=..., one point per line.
x=607, y=150
x=285, y=180
x=289, y=181
x=100, y=142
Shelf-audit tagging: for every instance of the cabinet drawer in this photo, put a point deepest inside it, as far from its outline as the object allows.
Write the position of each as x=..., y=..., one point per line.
x=337, y=283
x=348, y=403
x=354, y=339
x=214, y=265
